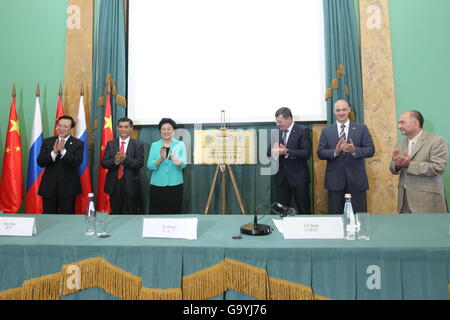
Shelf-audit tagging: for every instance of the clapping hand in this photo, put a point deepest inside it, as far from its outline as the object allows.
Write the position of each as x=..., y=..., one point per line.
x=176, y=161
x=340, y=146
x=120, y=157
x=401, y=161
x=349, y=147
x=58, y=146
x=162, y=152
x=282, y=150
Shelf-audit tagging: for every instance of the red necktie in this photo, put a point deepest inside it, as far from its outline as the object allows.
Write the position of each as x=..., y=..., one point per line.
x=122, y=150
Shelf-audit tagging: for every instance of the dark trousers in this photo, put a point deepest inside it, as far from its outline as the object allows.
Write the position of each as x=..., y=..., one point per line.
x=57, y=204
x=121, y=202
x=166, y=200
x=336, y=202
x=300, y=194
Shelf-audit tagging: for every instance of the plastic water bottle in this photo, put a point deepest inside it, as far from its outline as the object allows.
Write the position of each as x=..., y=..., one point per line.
x=89, y=217
x=349, y=219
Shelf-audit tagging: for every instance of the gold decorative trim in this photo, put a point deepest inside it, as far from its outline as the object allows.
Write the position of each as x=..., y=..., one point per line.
x=210, y=282
x=206, y=283
x=121, y=100
x=287, y=290
x=335, y=83
x=11, y=294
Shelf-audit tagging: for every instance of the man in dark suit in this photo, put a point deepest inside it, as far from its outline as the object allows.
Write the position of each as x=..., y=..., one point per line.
x=293, y=151
x=345, y=144
x=123, y=158
x=61, y=156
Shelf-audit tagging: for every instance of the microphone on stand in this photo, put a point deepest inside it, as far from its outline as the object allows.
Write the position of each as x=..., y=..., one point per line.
x=255, y=229
x=282, y=210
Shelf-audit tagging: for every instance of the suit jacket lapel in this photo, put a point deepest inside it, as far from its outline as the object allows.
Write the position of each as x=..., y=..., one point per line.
x=291, y=135
x=69, y=143
x=334, y=134
x=418, y=145
x=130, y=146
x=351, y=131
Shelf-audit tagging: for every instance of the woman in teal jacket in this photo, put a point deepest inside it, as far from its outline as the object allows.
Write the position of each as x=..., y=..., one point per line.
x=166, y=161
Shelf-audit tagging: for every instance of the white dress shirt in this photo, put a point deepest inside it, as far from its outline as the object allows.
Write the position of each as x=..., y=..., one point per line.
x=62, y=153
x=125, y=146
x=347, y=125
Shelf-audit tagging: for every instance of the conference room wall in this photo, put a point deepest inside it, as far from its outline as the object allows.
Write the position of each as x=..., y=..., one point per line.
x=33, y=40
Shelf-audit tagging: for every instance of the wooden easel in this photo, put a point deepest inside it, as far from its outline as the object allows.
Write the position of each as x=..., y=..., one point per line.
x=222, y=168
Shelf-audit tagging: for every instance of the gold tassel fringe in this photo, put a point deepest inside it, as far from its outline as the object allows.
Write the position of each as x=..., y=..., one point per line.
x=206, y=283
x=334, y=84
x=121, y=100
x=160, y=294
x=118, y=282
x=11, y=294
x=210, y=282
x=43, y=288
x=247, y=279
x=287, y=290
x=352, y=116
x=101, y=101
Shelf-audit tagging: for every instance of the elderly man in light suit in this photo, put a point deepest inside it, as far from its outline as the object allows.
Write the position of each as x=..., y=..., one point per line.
x=420, y=159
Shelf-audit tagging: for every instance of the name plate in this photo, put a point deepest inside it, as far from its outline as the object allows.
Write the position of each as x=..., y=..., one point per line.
x=19, y=227
x=181, y=228
x=313, y=228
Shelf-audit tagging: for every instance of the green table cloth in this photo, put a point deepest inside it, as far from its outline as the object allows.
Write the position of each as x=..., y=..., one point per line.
x=407, y=256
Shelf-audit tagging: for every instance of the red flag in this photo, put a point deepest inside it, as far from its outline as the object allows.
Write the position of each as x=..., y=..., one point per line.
x=11, y=185
x=107, y=135
x=59, y=110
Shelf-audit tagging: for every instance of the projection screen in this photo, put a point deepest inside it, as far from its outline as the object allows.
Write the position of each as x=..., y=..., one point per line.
x=190, y=59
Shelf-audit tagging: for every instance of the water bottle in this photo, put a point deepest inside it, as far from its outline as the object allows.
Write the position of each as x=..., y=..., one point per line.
x=349, y=219
x=89, y=217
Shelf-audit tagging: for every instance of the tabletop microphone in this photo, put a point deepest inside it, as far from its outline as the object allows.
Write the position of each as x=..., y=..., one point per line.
x=255, y=229
x=282, y=210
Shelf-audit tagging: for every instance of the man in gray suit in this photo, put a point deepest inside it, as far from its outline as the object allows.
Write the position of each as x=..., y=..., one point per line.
x=420, y=159
x=345, y=144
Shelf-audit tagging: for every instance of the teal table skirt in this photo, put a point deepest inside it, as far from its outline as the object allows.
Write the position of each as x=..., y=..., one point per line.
x=407, y=257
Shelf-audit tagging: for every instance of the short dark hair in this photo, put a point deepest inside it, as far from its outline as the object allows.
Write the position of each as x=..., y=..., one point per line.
x=167, y=120
x=418, y=116
x=125, y=119
x=72, y=122
x=285, y=112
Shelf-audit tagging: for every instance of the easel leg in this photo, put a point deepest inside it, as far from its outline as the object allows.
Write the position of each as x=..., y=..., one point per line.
x=211, y=191
x=223, y=190
x=236, y=190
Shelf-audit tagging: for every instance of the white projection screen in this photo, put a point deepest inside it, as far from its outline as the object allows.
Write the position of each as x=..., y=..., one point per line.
x=190, y=59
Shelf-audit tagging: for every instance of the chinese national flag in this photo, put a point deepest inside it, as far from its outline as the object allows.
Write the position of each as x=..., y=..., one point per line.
x=59, y=111
x=11, y=185
x=107, y=135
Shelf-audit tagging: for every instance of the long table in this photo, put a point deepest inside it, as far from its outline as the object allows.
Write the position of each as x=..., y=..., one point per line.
x=407, y=257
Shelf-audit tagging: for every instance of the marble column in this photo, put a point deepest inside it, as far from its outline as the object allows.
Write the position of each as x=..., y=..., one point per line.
x=78, y=67
x=379, y=103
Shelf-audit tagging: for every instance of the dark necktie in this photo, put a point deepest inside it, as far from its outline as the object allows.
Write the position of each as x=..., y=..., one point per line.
x=122, y=150
x=284, y=137
x=342, y=134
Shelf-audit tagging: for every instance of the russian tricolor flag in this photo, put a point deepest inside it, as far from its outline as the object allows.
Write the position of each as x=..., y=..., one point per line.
x=33, y=200
x=84, y=170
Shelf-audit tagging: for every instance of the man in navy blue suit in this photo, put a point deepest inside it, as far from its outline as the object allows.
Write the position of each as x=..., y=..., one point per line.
x=345, y=144
x=293, y=151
